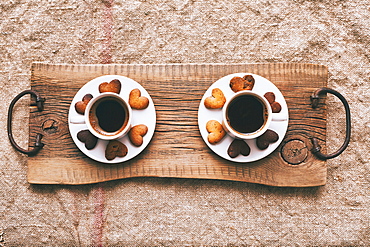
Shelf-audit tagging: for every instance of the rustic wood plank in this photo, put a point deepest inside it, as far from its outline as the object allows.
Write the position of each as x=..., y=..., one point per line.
x=177, y=149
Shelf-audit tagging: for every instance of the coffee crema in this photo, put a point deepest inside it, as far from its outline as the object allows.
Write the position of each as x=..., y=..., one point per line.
x=108, y=116
x=246, y=114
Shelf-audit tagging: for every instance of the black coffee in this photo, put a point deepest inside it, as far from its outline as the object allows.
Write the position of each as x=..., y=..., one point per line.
x=110, y=115
x=246, y=114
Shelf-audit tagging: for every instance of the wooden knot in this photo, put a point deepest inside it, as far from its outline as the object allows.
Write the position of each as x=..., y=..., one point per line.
x=294, y=151
x=50, y=126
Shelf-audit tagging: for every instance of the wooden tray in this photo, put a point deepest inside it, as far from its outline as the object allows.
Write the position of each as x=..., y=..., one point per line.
x=177, y=149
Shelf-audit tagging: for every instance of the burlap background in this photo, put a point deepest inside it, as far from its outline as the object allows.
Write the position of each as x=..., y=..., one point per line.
x=182, y=212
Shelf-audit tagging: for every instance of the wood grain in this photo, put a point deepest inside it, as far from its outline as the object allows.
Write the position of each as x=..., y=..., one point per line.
x=177, y=149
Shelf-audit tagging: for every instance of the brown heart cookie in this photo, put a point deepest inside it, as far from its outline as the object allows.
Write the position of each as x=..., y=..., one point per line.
x=115, y=149
x=266, y=138
x=113, y=86
x=80, y=106
x=275, y=106
x=238, y=147
x=217, y=100
x=86, y=137
x=137, y=101
x=136, y=134
x=215, y=130
x=242, y=83
x=270, y=96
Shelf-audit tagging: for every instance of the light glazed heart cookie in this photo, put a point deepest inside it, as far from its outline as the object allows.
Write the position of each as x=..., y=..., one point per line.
x=217, y=100
x=137, y=133
x=113, y=86
x=215, y=130
x=80, y=106
x=242, y=83
x=137, y=101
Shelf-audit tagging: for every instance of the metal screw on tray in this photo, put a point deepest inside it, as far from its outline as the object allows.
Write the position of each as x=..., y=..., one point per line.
x=1, y=238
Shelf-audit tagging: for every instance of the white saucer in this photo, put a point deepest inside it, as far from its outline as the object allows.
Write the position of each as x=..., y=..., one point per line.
x=261, y=86
x=146, y=116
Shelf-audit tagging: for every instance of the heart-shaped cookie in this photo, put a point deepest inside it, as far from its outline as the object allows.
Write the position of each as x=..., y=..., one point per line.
x=80, y=106
x=238, y=147
x=266, y=138
x=242, y=83
x=275, y=106
x=136, y=134
x=115, y=149
x=86, y=137
x=137, y=101
x=215, y=130
x=270, y=96
x=217, y=100
x=113, y=86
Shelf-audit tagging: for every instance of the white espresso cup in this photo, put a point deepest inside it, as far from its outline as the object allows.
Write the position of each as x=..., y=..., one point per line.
x=247, y=115
x=107, y=116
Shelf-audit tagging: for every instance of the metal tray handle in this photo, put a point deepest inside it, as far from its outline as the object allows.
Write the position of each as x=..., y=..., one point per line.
x=40, y=106
x=314, y=103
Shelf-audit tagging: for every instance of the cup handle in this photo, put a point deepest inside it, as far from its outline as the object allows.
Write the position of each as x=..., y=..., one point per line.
x=77, y=120
x=279, y=117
